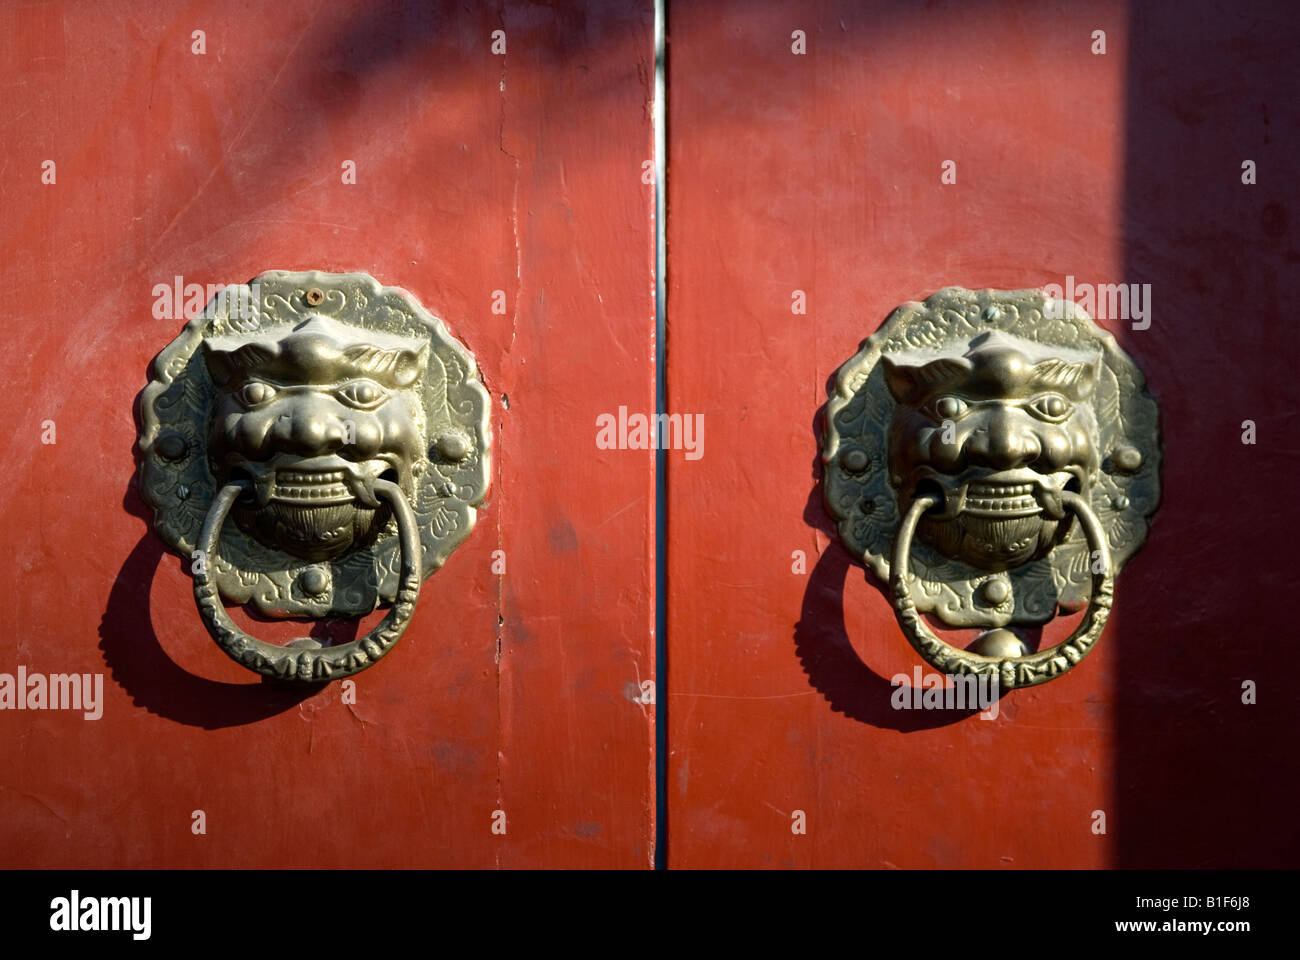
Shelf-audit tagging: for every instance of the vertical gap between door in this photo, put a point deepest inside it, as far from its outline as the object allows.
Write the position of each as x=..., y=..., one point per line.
x=661, y=459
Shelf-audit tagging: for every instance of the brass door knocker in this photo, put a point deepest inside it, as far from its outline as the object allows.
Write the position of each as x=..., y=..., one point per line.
x=346, y=432
x=963, y=441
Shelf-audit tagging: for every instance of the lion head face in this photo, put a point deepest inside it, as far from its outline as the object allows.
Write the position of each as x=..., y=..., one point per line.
x=311, y=416
x=997, y=428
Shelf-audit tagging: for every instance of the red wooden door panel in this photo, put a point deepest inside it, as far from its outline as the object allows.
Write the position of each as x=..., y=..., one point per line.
x=821, y=172
x=475, y=172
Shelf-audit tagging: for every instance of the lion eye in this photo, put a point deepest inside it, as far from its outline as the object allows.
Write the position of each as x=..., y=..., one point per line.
x=255, y=393
x=362, y=394
x=949, y=407
x=1051, y=407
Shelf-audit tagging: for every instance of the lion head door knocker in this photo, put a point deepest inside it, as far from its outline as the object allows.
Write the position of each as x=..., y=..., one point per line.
x=995, y=457
x=344, y=432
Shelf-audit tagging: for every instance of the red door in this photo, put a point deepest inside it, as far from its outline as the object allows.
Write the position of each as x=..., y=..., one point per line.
x=860, y=155
x=489, y=161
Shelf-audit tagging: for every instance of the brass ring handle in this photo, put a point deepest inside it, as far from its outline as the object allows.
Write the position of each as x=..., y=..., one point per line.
x=1025, y=671
x=314, y=665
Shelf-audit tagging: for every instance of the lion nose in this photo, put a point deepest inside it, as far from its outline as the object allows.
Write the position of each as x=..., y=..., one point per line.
x=1005, y=443
x=308, y=430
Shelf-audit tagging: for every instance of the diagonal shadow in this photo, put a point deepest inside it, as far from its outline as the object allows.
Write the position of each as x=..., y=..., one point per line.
x=822, y=641
x=139, y=664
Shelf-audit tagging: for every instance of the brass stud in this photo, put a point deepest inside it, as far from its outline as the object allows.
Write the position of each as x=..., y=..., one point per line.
x=313, y=581
x=854, y=460
x=998, y=643
x=171, y=446
x=994, y=592
x=453, y=446
x=1126, y=458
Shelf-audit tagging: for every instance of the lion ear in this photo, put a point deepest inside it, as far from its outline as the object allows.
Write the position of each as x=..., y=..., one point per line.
x=219, y=367
x=1075, y=379
x=910, y=383
x=410, y=365
x=402, y=364
x=224, y=365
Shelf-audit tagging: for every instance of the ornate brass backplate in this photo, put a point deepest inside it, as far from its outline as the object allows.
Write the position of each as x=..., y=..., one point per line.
x=986, y=422
x=348, y=434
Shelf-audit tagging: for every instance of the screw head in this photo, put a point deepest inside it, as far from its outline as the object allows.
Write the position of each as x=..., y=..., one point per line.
x=992, y=313
x=315, y=297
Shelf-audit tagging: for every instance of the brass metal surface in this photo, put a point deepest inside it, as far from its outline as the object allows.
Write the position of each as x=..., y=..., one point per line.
x=347, y=434
x=1008, y=416
x=1005, y=657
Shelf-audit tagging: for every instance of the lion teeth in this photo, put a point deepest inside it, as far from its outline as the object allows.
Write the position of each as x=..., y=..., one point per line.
x=1001, y=504
x=314, y=477
x=997, y=490
x=311, y=485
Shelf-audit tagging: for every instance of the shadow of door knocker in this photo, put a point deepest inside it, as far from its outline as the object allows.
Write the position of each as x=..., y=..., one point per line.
x=994, y=456
x=348, y=434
